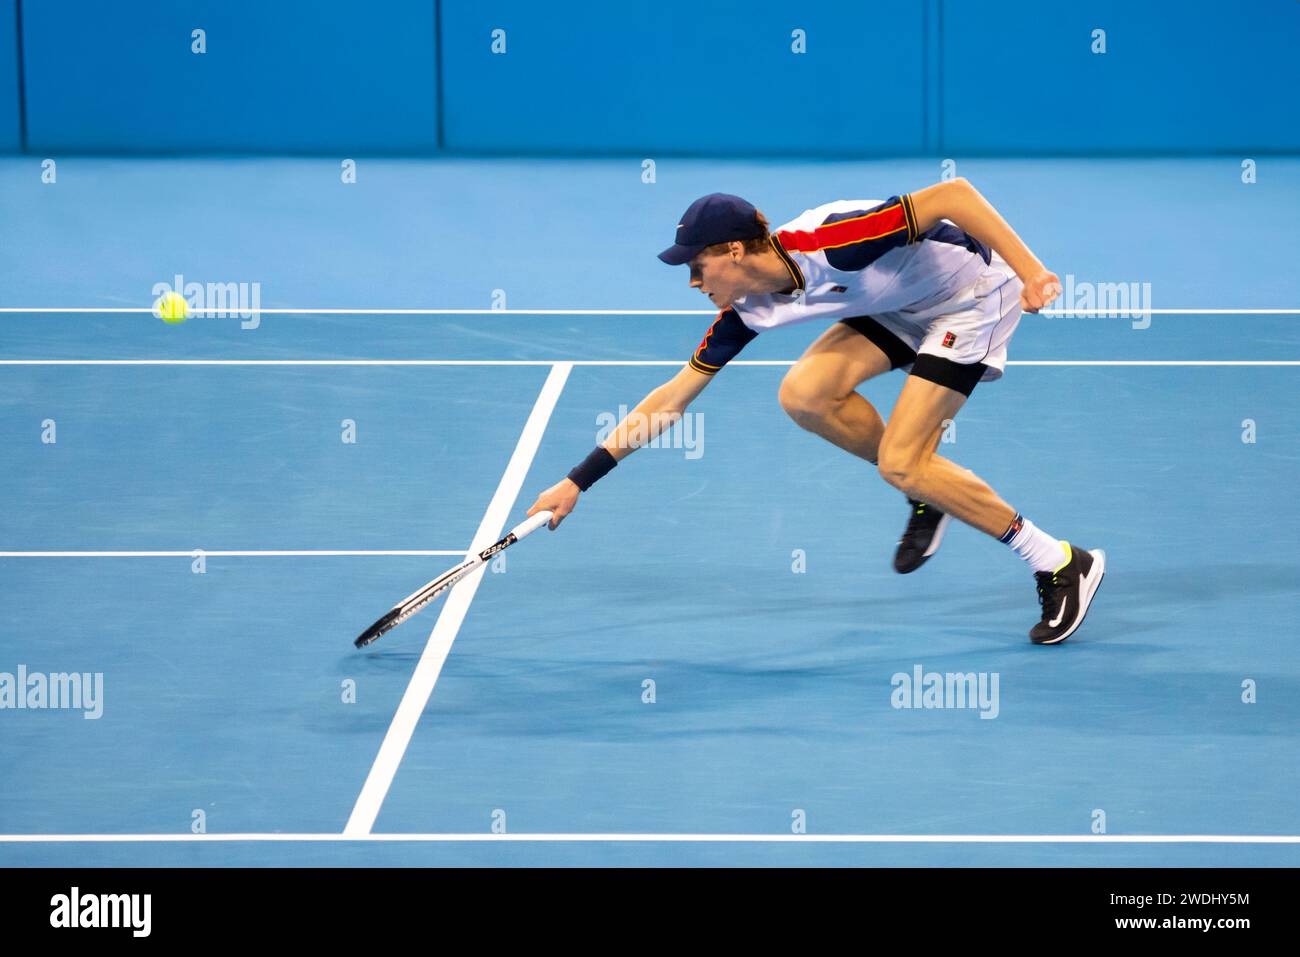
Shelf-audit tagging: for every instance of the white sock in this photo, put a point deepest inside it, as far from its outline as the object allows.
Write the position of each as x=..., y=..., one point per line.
x=1043, y=552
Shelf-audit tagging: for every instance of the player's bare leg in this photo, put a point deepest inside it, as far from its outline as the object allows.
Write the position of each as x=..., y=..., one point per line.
x=909, y=462
x=819, y=394
x=819, y=391
x=1067, y=577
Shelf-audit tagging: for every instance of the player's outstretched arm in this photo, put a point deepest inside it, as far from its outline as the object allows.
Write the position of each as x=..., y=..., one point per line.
x=658, y=411
x=957, y=201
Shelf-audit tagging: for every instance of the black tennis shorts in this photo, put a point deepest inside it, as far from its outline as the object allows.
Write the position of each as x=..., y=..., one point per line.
x=952, y=375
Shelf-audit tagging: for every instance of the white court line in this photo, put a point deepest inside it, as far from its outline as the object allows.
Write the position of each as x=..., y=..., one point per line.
x=604, y=838
x=1049, y=313
x=301, y=553
x=454, y=609
x=596, y=362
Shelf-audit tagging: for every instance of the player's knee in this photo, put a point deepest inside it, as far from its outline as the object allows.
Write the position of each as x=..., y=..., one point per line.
x=803, y=404
x=897, y=467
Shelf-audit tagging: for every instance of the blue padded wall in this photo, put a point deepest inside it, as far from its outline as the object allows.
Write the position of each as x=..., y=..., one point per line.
x=282, y=76
x=677, y=76
x=10, y=115
x=1196, y=76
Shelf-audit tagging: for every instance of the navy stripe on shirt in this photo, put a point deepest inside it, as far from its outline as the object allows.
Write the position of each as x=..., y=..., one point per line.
x=722, y=343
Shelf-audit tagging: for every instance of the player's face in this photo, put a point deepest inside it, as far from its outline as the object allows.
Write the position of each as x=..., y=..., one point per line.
x=720, y=278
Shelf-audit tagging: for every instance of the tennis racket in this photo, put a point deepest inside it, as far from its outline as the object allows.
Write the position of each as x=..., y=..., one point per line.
x=413, y=602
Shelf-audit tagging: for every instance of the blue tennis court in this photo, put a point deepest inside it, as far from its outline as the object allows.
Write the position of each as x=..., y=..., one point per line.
x=698, y=666
x=416, y=245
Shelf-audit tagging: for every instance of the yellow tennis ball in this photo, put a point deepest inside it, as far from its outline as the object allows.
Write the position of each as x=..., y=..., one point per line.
x=171, y=308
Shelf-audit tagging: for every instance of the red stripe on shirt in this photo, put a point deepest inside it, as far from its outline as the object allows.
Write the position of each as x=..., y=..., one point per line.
x=882, y=222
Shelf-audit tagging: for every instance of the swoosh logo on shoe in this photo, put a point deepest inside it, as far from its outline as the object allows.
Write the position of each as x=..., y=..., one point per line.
x=1059, y=615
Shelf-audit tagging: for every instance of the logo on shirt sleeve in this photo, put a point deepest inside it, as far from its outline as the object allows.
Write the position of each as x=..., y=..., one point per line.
x=948, y=340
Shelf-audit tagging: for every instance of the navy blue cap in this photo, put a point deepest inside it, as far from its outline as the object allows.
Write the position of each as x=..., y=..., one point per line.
x=716, y=218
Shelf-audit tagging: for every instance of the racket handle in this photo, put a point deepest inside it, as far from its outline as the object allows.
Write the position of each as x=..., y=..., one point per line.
x=532, y=524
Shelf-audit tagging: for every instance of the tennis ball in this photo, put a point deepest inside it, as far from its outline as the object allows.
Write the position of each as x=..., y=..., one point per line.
x=171, y=308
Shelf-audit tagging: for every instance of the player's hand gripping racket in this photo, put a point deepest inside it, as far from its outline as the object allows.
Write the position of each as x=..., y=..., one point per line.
x=412, y=603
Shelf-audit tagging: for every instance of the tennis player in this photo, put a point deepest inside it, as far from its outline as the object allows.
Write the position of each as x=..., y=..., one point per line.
x=931, y=282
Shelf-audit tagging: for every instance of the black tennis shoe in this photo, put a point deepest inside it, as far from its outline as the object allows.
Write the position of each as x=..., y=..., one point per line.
x=921, y=538
x=1066, y=593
